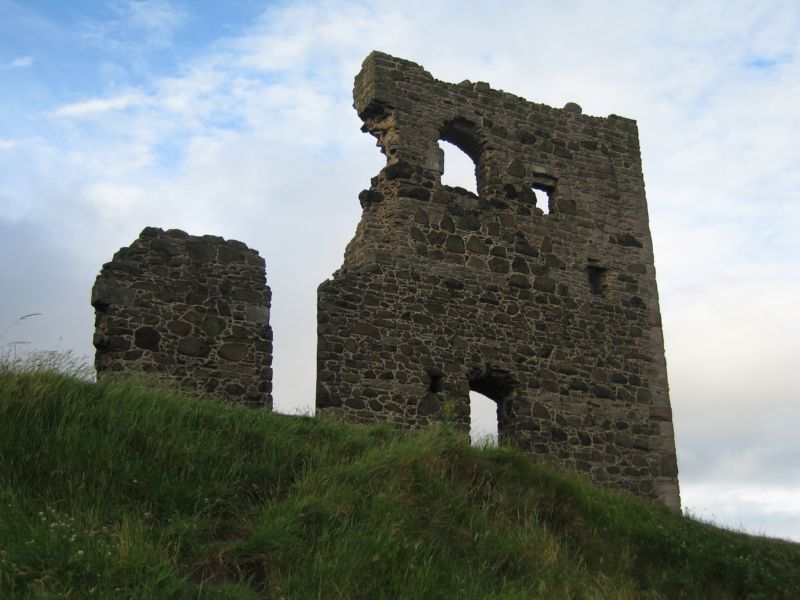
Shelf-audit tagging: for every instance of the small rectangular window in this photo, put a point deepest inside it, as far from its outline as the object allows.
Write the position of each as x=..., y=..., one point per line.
x=544, y=198
x=597, y=280
x=434, y=380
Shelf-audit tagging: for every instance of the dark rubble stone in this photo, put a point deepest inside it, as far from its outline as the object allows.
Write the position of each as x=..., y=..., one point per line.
x=147, y=338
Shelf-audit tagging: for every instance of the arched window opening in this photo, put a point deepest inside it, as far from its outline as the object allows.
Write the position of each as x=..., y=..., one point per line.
x=483, y=420
x=460, y=141
x=459, y=170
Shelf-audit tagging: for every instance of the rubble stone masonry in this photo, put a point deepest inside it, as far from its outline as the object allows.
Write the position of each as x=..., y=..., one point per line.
x=191, y=311
x=539, y=292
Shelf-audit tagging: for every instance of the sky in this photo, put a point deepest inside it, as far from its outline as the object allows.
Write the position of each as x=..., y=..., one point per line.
x=235, y=119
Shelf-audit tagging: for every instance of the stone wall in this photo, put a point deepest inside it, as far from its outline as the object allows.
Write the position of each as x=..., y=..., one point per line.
x=551, y=313
x=191, y=311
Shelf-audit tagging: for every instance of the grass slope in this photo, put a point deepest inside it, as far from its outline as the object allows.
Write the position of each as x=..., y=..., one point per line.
x=114, y=490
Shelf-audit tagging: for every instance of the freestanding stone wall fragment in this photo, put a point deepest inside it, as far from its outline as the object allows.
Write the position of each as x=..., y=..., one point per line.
x=539, y=292
x=192, y=311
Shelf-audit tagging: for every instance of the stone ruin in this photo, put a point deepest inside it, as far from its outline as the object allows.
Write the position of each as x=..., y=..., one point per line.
x=538, y=292
x=190, y=311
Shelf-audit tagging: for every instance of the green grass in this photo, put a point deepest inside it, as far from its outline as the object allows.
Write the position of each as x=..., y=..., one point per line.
x=117, y=490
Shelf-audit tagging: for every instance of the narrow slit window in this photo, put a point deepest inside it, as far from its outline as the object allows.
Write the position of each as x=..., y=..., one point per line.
x=434, y=382
x=597, y=280
x=483, y=420
x=459, y=170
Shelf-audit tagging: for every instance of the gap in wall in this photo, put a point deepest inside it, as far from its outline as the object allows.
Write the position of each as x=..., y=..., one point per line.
x=483, y=420
x=459, y=170
x=543, y=199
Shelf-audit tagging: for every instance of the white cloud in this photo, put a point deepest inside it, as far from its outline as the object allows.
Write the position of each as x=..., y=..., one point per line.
x=92, y=107
x=23, y=62
x=756, y=509
x=153, y=15
x=114, y=201
x=145, y=23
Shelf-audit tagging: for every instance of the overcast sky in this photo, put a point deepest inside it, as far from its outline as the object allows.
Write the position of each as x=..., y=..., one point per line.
x=234, y=118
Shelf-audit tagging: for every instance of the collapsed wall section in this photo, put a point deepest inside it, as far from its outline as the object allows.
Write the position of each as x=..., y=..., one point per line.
x=190, y=311
x=538, y=292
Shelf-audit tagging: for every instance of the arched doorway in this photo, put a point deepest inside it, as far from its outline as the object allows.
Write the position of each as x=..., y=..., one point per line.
x=492, y=393
x=482, y=420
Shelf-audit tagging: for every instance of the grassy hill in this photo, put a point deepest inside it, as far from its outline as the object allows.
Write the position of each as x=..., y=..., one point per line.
x=115, y=490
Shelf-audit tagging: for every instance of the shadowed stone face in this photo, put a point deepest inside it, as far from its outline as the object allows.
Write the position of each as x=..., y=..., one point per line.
x=553, y=313
x=191, y=311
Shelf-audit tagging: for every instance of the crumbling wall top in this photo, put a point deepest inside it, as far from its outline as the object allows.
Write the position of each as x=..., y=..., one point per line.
x=514, y=143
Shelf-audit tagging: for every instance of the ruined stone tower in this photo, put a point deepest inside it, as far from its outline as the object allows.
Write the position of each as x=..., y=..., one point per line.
x=539, y=292
x=191, y=311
